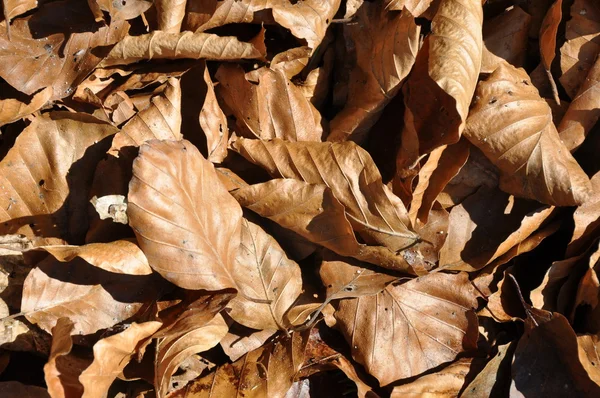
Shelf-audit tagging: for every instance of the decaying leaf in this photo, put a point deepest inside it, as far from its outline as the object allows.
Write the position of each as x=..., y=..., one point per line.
x=513, y=127
x=548, y=41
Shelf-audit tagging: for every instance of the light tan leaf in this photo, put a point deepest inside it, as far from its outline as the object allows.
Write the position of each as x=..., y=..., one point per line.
x=587, y=220
x=505, y=39
x=66, y=56
x=237, y=344
x=512, y=125
x=410, y=328
x=292, y=61
x=236, y=12
x=170, y=15
x=588, y=347
x=57, y=152
x=265, y=372
x=583, y=112
x=17, y=389
x=124, y=10
x=162, y=45
x=111, y=355
x=493, y=379
x=480, y=234
x=161, y=120
x=214, y=123
x=11, y=109
x=439, y=92
x=14, y=8
x=86, y=288
x=307, y=19
x=447, y=383
x=111, y=207
x=264, y=272
x=275, y=108
x=187, y=239
x=62, y=380
x=10, y=329
x=375, y=213
x=582, y=45
x=380, y=67
x=548, y=32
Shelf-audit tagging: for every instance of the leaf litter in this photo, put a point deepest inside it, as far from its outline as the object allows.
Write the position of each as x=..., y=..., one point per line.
x=311, y=198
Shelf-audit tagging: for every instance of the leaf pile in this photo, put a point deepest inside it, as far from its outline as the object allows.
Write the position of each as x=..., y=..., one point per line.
x=311, y=198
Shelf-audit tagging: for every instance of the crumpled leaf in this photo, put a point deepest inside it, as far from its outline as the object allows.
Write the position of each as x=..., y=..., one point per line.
x=96, y=286
x=447, y=383
x=268, y=274
x=123, y=10
x=170, y=14
x=380, y=68
x=62, y=379
x=237, y=344
x=111, y=355
x=52, y=201
x=582, y=45
x=187, y=240
x=12, y=109
x=410, y=328
x=375, y=214
x=548, y=41
x=275, y=108
x=66, y=55
x=14, y=8
x=112, y=207
x=582, y=113
x=494, y=378
x=587, y=220
x=513, y=127
x=161, y=45
x=214, y=123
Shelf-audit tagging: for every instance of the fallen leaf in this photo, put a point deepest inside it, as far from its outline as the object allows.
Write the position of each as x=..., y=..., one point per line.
x=587, y=220
x=494, y=379
x=170, y=15
x=448, y=382
x=513, y=127
x=548, y=41
x=214, y=123
x=430, y=317
x=120, y=10
x=111, y=207
x=12, y=109
x=193, y=247
x=61, y=379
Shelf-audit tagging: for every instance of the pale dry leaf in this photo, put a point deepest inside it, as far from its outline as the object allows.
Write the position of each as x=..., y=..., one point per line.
x=494, y=377
x=416, y=7
x=588, y=347
x=582, y=45
x=12, y=109
x=380, y=67
x=170, y=14
x=292, y=61
x=187, y=240
x=447, y=383
x=587, y=220
x=52, y=200
x=86, y=287
x=375, y=214
x=512, y=125
x=112, y=207
x=583, y=112
x=164, y=45
x=439, y=92
x=505, y=39
x=412, y=327
x=10, y=329
x=123, y=9
x=236, y=12
x=237, y=345
x=214, y=123
x=263, y=271
x=111, y=355
x=14, y=8
x=65, y=57
x=547, y=39
x=62, y=380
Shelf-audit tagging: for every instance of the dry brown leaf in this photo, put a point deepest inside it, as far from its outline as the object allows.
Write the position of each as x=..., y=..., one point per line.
x=439, y=92
x=111, y=355
x=380, y=67
x=17, y=389
x=478, y=235
x=52, y=200
x=97, y=286
x=442, y=165
x=112, y=207
x=513, y=127
x=236, y=12
x=164, y=45
x=265, y=372
x=447, y=383
x=292, y=61
x=66, y=55
x=12, y=109
x=410, y=328
x=264, y=272
x=237, y=344
x=275, y=108
x=123, y=9
x=214, y=123
x=14, y=8
x=505, y=39
x=375, y=213
x=583, y=112
x=582, y=45
x=61, y=379
x=588, y=347
x=493, y=380
x=548, y=32
x=170, y=14
x=587, y=220
x=190, y=243
x=416, y=7
x=546, y=360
